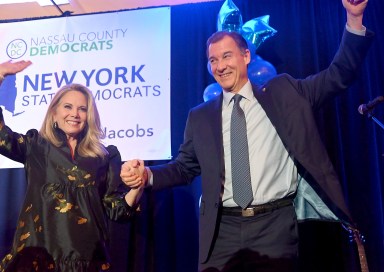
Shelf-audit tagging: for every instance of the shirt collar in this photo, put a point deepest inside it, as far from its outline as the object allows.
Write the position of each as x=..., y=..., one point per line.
x=245, y=91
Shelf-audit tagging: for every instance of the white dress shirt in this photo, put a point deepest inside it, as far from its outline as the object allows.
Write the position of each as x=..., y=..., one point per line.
x=273, y=173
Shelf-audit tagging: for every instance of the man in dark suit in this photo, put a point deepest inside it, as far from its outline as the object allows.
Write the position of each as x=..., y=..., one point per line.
x=284, y=147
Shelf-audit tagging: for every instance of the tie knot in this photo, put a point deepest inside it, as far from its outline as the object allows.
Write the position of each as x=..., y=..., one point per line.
x=236, y=98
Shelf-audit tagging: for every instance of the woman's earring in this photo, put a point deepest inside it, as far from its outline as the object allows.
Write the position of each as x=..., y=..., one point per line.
x=54, y=124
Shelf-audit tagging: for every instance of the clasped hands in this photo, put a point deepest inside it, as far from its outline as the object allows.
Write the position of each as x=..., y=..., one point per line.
x=134, y=174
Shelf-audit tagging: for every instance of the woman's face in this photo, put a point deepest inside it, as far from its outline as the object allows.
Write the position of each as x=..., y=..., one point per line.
x=71, y=113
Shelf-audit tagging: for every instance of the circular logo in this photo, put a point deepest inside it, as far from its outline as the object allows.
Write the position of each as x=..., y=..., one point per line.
x=16, y=49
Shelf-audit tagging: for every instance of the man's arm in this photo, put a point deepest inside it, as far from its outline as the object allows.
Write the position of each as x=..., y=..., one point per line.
x=355, y=10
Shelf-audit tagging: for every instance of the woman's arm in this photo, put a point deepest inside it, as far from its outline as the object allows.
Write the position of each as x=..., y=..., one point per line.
x=11, y=68
x=120, y=202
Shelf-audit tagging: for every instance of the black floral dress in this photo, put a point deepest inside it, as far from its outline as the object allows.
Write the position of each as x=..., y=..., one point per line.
x=67, y=202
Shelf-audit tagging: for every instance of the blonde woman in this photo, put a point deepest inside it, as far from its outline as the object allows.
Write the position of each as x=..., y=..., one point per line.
x=73, y=182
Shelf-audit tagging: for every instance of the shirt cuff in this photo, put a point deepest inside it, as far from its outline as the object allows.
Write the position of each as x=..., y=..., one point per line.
x=357, y=32
x=150, y=176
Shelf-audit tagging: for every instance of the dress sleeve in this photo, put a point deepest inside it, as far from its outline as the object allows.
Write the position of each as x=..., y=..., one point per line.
x=14, y=145
x=115, y=205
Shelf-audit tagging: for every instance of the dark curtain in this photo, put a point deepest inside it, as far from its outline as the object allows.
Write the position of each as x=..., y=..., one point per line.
x=164, y=235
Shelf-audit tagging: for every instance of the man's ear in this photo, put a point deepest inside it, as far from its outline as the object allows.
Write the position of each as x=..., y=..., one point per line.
x=247, y=56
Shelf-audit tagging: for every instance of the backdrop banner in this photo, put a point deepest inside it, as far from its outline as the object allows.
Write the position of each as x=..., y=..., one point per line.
x=122, y=57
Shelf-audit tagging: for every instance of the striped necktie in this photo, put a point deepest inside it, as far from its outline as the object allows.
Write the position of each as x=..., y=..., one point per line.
x=241, y=176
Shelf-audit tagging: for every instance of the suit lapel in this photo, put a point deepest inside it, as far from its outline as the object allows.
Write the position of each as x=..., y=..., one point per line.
x=215, y=122
x=260, y=92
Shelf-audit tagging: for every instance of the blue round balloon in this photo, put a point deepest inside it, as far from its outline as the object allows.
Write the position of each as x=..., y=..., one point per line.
x=260, y=71
x=209, y=68
x=211, y=91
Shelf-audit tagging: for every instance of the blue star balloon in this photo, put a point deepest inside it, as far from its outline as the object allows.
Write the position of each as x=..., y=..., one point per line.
x=229, y=18
x=255, y=31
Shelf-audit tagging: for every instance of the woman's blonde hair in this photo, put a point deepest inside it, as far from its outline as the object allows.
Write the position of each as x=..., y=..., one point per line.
x=90, y=145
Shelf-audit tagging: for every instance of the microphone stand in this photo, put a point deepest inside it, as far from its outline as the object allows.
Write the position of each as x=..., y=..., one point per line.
x=370, y=116
x=63, y=13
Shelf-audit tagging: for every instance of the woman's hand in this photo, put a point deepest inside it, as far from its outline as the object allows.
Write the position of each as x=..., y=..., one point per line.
x=11, y=68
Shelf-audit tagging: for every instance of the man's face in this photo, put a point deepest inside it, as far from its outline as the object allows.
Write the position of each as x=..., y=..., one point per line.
x=229, y=64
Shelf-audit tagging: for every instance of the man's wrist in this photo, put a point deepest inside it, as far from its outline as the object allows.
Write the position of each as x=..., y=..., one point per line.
x=148, y=177
x=1, y=78
x=360, y=32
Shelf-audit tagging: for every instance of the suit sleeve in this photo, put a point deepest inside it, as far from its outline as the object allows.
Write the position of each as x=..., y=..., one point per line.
x=184, y=168
x=341, y=73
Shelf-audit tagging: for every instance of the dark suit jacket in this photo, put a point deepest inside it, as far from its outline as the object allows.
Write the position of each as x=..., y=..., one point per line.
x=289, y=103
